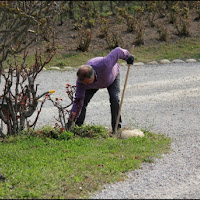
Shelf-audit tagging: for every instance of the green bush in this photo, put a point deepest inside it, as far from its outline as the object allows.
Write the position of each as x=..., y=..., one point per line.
x=91, y=131
x=47, y=132
x=65, y=135
x=84, y=39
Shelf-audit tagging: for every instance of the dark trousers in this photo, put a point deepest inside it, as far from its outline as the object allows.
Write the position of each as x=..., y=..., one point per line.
x=113, y=90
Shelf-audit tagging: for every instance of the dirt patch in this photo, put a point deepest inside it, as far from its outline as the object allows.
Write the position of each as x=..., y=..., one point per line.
x=67, y=36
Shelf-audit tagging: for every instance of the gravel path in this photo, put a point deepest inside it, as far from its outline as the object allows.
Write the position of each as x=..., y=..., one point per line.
x=162, y=98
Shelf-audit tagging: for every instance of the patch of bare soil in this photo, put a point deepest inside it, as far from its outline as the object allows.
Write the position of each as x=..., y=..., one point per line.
x=67, y=37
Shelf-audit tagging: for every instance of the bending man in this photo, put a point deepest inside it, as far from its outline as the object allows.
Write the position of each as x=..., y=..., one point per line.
x=99, y=72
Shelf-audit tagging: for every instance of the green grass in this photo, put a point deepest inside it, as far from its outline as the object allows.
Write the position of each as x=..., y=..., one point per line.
x=183, y=49
x=49, y=168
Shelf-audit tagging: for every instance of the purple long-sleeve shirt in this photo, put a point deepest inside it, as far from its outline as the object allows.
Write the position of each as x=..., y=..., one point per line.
x=106, y=69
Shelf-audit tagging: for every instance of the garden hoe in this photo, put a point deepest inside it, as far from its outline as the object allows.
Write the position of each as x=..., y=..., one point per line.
x=122, y=98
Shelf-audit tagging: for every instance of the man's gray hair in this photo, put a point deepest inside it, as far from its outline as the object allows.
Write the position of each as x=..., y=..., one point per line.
x=85, y=71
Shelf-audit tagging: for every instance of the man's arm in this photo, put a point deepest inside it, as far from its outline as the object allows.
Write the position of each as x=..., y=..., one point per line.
x=78, y=101
x=118, y=53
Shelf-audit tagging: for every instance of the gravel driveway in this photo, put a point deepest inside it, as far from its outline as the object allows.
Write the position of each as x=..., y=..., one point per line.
x=162, y=98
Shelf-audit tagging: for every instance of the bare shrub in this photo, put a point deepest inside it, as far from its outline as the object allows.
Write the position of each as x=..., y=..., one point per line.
x=63, y=111
x=19, y=99
x=23, y=23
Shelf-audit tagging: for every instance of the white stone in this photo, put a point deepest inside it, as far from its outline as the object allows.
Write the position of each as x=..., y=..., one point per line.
x=191, y=61
x=68, y=68
x=177, y=61
x=139, y=64
x=131, y=133
x=54, y=68
x=153, y=63
x=164, y=61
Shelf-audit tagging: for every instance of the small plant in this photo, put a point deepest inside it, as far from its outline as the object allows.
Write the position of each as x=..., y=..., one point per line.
x=130, y=20
x=47, y=132
x=104, y=27
x=60, y=64
x=152, y=11
x=139, y=34
x=90, y=131
x=197, y=8
x=65, y=135
x=182, y=23
x=84, y=39
x=163, y=33
x=113, y=40
x=63, y=112
x=179, y=17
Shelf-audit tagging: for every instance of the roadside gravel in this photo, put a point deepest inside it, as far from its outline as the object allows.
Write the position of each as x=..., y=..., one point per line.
x=162, y=98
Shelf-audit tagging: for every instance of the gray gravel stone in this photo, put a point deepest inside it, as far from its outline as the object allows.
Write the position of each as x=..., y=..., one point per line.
x=190, y=61
x=54, y=68
x=177, y=61
x=153, y=63
x=138, y=63
x=165, y=61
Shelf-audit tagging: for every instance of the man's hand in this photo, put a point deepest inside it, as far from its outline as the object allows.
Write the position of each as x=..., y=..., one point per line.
x=130, y=60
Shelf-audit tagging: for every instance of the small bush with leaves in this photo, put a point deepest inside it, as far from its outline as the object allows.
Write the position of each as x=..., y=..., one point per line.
x=197, y=8
x=84, y=39
x=104, y=27
x=47, y=132
x=65, y=135
x=152, y=11
x=122, y=14
x=182, y=23
x=139, y=35
x=163, y=33
x=90, y=131
x=50, y=132
x=113, y=40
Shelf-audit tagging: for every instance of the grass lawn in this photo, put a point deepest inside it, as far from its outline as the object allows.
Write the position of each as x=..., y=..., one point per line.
x=49, y=168
x=184, y=48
